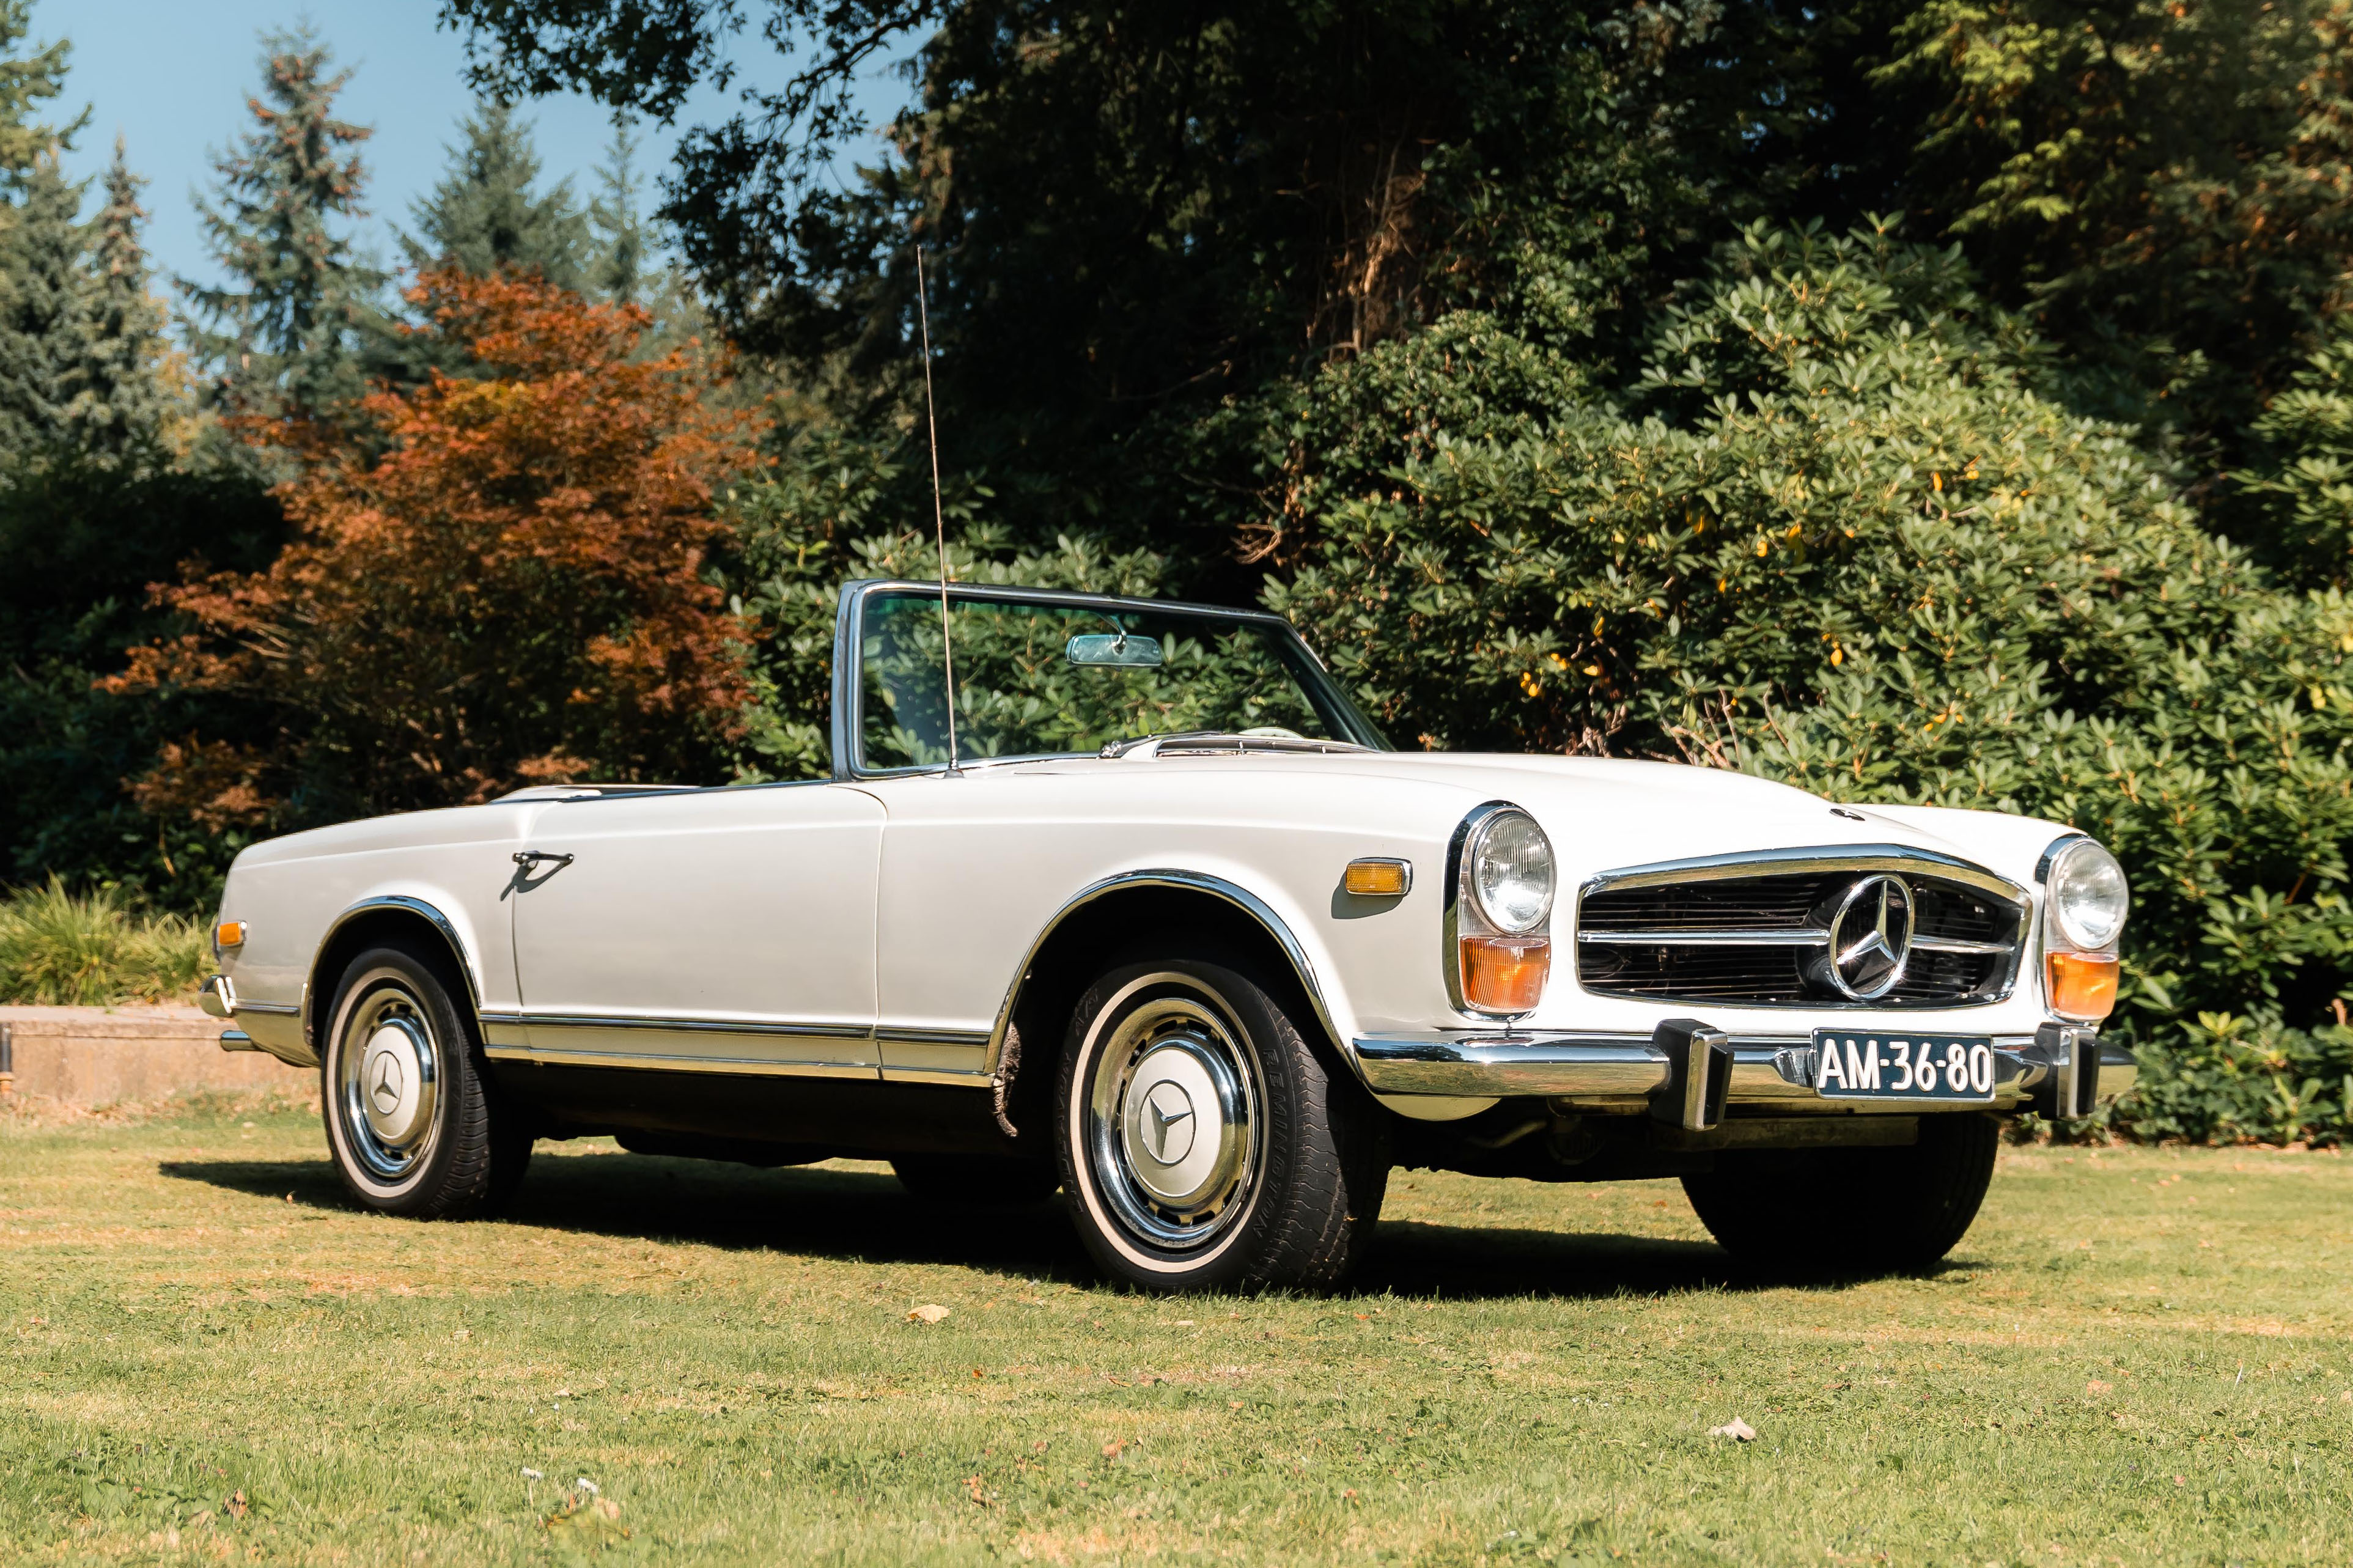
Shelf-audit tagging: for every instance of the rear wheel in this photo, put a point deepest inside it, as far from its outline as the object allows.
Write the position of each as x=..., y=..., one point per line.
x=1869, y=1209
x=1204, y=1144
x=414, y=1124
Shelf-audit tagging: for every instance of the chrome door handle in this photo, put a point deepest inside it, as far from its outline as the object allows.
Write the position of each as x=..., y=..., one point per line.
x=534, y=857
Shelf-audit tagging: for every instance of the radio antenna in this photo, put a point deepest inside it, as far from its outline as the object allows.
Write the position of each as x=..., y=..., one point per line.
x=939, y=509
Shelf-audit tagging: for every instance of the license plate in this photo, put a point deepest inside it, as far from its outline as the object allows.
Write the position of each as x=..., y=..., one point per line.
x=1860, y=1065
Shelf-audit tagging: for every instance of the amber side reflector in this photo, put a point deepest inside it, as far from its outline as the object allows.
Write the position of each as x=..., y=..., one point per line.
x=1505, y=973
x=2083, y=984
x=1379, y=878
x=229, y=933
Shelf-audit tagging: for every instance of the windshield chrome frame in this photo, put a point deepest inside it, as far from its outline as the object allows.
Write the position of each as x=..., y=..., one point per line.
x=848, y=731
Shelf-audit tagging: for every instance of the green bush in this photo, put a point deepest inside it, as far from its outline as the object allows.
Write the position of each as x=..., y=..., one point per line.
x=1835, y=535
x=61, y=949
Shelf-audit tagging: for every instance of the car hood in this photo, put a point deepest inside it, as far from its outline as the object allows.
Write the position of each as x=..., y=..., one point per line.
x=1607, y=814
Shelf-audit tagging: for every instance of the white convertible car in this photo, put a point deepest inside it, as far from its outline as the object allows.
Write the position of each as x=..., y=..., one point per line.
x=1164, y=923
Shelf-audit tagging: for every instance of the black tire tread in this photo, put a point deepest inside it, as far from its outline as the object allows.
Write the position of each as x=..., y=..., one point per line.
x=1328, y=1174
x=485, y=1145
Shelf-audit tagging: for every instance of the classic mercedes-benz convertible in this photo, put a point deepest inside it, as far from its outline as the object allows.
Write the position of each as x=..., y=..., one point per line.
x=1152, y=914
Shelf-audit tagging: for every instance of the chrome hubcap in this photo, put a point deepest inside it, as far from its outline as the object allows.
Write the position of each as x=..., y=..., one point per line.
x=390, y=1083
x=1174, y=1122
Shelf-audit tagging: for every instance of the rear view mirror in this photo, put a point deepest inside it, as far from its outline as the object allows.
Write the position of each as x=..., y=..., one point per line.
x=1122, y=651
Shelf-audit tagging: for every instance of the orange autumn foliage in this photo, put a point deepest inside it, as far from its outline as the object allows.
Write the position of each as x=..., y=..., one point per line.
x=493, y=580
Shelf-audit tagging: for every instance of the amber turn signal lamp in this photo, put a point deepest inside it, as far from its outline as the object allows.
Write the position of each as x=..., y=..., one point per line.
x=1505, y=973
x=2083, y=984
x=1379, y=878
x=229, y=933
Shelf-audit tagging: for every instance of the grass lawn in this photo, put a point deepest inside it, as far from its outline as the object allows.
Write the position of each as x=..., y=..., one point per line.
x=2136, y=1357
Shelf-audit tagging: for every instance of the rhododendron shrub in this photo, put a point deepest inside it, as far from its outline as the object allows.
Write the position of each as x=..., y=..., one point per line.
x=494, y=580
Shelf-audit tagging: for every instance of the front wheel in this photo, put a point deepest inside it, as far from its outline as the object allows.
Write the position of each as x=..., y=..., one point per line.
x=1204, y=1144
x=415, y=1126
x=1874, y=1210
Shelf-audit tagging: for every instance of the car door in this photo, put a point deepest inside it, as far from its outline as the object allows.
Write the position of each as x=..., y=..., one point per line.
x=719, y=930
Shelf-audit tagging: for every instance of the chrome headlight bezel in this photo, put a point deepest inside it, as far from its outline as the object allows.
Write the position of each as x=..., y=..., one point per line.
x=2086, y=897
x=1510, y=875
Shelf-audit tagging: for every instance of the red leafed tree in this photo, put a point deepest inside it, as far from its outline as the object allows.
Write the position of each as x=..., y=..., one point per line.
x=494, y=580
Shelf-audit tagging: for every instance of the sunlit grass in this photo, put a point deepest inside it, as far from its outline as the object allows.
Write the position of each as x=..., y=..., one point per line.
x=2138, y=1356
x=60, y=948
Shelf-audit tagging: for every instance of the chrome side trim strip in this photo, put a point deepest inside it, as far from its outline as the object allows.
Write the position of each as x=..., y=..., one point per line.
x=914, y=1036
x=754, y=1066
x=1241, y=899
x=277, y=1009
x=1819, y=857
x=689, y=1025
x=948, y=1077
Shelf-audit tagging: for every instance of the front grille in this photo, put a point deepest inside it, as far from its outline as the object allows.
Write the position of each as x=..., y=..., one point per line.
x=1763, y=939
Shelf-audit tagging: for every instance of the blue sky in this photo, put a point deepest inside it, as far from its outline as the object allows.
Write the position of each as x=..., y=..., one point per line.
x=171, y=76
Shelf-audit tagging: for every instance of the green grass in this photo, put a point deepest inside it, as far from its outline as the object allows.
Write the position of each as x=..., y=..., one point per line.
x=61, y=949
x=2138, y=1356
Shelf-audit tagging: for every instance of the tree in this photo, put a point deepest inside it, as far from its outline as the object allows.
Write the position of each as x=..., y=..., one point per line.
x=44, y=332
x=282, y=336
x=120, y=399
x=41, y=240
x=1136, y=213
x=499, y=580
x=2161, y=183
x=483, y=216
x=619, y=271
x=27, y=81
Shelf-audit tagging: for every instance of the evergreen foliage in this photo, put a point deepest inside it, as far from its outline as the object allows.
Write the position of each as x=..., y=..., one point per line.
x=623, y=247
x=45, y=335
x=284, y=335
x=484, y=217
x=42, y=330
x=120, y=402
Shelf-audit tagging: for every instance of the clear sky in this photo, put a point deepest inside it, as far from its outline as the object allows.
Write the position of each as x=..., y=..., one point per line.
x=171, y=76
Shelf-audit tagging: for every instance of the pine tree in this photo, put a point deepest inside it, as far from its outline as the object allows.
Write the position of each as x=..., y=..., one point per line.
x=285, y=339
x=26, y=83
x=619, y=273
x=43, y=333
x=119, y=397
x=482, y=216
x=41, y=246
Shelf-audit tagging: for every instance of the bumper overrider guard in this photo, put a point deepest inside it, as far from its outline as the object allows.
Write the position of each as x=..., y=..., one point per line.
x=2060, y=1069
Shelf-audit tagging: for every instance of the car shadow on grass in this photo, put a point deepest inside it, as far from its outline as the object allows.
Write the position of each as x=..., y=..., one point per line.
x=866, y=1217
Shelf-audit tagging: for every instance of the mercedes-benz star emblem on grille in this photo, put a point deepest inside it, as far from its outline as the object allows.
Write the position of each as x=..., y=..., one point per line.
x=1870, y=938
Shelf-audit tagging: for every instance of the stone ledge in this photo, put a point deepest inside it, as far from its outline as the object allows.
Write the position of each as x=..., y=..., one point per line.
x=98, y=1055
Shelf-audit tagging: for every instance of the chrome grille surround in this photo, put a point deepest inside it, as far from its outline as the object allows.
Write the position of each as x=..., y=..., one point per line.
x=1752, y=930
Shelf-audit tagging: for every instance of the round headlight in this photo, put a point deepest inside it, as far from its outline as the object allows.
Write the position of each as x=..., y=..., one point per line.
x=1510, y=861
x=2088, y=896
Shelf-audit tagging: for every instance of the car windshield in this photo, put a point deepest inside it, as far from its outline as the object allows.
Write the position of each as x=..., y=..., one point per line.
x=1057, y=679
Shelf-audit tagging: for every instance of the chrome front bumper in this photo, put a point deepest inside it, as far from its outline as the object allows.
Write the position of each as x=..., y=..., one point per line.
x=1623, y=1072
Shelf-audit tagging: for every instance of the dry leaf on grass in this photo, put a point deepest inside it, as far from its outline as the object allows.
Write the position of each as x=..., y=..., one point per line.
x=927, y=1313
x=1736, y=1430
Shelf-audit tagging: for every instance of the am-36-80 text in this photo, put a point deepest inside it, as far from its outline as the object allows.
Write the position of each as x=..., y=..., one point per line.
x=1891, y=1067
